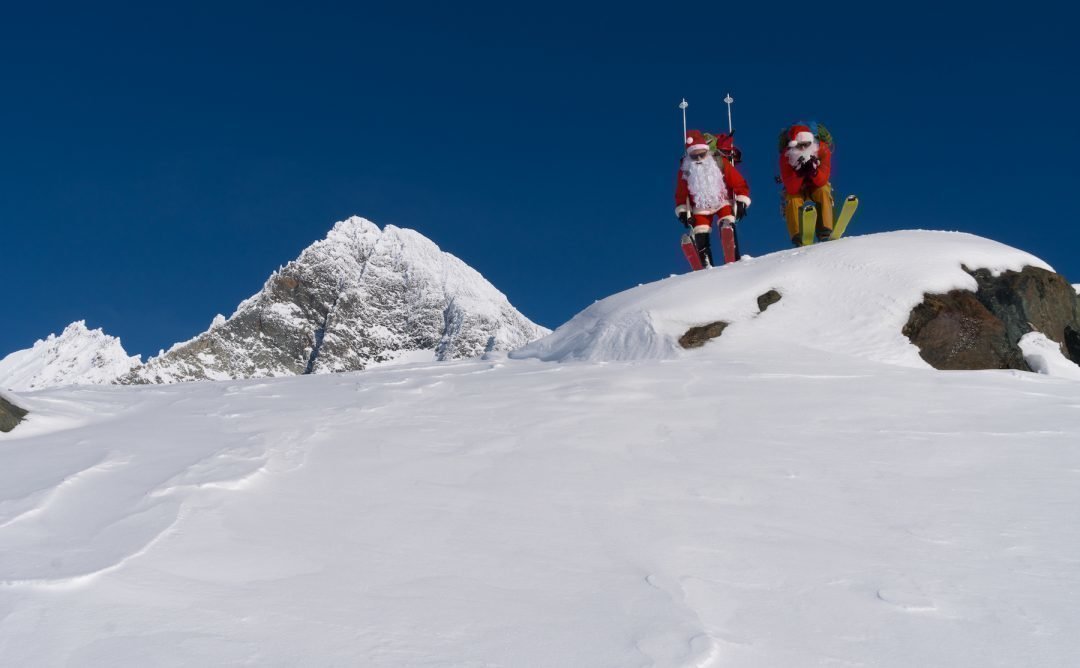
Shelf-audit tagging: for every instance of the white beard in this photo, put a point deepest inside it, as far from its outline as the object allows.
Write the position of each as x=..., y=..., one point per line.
x=795, y=153
x=706, y=183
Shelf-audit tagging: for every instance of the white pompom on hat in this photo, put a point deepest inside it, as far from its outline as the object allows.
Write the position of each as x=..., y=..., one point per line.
x=799, y=134
x=695, y=141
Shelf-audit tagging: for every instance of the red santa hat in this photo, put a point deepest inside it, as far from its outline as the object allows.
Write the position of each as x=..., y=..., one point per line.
x=799, y=134
x=695, y=141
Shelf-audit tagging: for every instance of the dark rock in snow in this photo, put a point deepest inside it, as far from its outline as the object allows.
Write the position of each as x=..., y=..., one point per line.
x=982, y=329
x=10, y=414
x=695, y=337
x=955, y=331
x=768, y=299
x=1033, y=299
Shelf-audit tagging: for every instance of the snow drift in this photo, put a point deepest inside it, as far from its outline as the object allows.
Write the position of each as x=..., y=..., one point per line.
x=851, y=297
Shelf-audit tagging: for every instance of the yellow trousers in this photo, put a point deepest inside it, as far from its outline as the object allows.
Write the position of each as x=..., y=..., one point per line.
x=822, y=197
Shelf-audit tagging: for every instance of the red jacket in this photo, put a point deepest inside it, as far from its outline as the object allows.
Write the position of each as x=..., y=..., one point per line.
x=795, y=183
x=736, y=186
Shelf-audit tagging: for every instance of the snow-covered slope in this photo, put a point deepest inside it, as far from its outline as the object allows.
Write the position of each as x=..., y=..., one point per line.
x=853, y=297
x=760, y=501
x=361, y=296
x=77, y=355
x=768, y=508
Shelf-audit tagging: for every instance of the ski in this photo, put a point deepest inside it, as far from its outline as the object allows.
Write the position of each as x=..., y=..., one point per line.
x=850, y=205
x=690, y=251
x=807, y=223
x=729, y=241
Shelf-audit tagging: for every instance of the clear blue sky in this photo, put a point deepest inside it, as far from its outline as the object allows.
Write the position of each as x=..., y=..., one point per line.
x=158, y=161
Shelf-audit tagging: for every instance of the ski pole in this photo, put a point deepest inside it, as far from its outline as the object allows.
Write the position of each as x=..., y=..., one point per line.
x=728, y=100
x=689, y=228
x=683, y=105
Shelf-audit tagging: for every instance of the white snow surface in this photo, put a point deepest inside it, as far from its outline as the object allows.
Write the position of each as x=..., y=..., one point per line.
x=751, y=505
x=851, y=296
x=1044, y=356
x=77, y=355
x=766, y=500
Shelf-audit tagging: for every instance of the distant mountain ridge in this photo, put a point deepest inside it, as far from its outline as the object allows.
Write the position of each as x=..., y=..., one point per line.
x=76, y=355
x=359, y=297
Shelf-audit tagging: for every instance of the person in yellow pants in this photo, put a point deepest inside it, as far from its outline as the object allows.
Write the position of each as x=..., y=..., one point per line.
x=805, y=167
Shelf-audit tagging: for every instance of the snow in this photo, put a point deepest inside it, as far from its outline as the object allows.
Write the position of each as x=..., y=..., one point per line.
x=770, y=499
x=773, y=509
x=77, y=355
x=851, y=296
x=1045, y=356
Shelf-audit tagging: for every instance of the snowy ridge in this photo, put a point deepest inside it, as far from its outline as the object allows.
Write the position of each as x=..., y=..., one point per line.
x=77, y=355
x=851, y=296
x=361, y=296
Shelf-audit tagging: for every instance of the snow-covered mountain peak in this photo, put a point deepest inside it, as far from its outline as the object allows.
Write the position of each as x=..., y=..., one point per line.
x=349, y=234
x=360, y=296
x=851, y=296
x=76, y=355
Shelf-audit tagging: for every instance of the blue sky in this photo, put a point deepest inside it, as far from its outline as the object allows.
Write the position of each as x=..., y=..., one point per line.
x=156, y=164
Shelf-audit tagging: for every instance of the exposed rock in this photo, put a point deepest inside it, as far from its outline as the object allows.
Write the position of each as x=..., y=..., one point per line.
x=768, y=299
x=955, y=331
x=360, y=296
x=1033, y=300
x=982, y=329
x=10, y=414
x=695, y=337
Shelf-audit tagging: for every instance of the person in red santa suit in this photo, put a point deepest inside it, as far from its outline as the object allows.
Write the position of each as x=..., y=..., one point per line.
x=708, y=186
x=805, y=167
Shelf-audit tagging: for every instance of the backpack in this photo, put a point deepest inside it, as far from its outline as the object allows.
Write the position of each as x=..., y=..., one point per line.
x=734, y=154
x=820, y=132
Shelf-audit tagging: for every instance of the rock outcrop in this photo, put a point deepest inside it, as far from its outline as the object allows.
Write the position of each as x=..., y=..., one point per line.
x=982, y=329
x=10, y=414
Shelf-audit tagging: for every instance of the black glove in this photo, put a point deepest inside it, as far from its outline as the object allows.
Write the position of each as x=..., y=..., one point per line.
x=740, y=210
x=807, y=167
x=684, y=218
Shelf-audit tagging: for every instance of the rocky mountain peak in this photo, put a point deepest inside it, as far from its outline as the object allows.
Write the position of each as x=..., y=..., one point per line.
x=361, y=296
